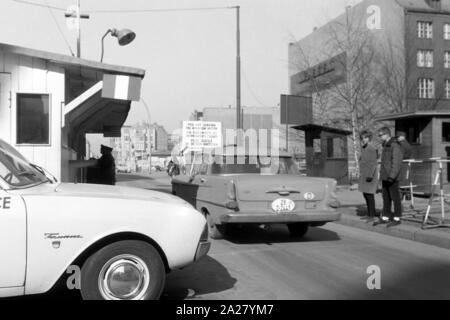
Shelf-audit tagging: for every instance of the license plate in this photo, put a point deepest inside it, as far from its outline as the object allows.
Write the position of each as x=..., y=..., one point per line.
x=283, y=205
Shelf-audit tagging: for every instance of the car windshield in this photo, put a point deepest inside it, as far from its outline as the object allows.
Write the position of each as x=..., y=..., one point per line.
x=259, y=165
x=15, y=170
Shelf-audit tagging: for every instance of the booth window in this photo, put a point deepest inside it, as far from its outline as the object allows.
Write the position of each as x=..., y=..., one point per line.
x=445, y=131
x=336, y=148
x=33, y=117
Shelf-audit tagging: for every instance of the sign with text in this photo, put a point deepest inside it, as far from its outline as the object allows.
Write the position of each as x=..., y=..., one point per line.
x=198, y=135
x=322, y=76
x=295, y=110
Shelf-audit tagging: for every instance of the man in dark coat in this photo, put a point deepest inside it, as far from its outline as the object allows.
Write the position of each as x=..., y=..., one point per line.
x=368, y=173
x=407, y=154
x=390, y=169
x=107, y=166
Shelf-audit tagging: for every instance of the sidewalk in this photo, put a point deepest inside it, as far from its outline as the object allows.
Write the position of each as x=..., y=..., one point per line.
x=353, y=208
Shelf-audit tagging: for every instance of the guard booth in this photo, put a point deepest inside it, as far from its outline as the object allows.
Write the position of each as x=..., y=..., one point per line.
x=326, y=152
x=428, y=132
x=49, y=102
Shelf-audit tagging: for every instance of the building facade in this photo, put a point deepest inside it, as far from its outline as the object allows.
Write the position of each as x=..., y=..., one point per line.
x=405, y=77
x=138, y=144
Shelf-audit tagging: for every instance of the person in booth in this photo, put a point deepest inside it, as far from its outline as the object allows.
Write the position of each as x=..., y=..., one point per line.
x=107, y=166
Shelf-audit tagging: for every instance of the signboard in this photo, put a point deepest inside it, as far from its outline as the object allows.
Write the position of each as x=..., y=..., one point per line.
x=295, y=110
x=321, y=76
x=198, y=135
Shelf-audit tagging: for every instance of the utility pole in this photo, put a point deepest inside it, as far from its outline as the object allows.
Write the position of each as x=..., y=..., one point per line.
x=78, y=16
x=239, y=120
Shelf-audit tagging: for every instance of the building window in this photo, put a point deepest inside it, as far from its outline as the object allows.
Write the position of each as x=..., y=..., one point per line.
x=425, y=29
x=447, y=59
x=447, y=89
x=33, y=117
x=447, y=31
x=426, y=88
x=425, y=58
x=445, y=131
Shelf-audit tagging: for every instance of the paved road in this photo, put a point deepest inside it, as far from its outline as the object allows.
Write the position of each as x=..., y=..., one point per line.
x=329, y=263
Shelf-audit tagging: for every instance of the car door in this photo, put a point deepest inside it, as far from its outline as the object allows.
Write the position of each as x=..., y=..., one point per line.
x=13, y=239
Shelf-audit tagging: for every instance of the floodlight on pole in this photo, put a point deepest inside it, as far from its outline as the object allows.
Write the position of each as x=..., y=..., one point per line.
x=124, y=37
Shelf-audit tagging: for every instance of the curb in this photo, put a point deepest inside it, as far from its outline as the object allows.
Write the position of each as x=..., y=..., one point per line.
x=405, y=231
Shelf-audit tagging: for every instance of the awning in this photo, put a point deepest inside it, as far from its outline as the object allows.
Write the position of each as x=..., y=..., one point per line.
x=311, y=126
x=414, y=114
x=104, y=107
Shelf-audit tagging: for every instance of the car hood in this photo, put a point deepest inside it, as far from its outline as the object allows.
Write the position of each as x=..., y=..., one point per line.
x=105, y=191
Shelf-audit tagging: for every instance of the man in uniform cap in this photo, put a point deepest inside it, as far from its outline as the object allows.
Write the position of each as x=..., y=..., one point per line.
x=106, y=163
x=406, y=147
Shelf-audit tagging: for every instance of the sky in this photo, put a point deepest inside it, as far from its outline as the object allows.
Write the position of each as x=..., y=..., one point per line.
x=189, y=56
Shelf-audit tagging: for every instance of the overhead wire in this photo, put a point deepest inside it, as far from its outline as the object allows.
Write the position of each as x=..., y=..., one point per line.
x=251, y=90
x=156, y=10
x=60, y=30
x=39, y=5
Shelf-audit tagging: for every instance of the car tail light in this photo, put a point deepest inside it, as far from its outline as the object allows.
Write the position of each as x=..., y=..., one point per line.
x=333, y=201
x=231, y=197
x=231, y=194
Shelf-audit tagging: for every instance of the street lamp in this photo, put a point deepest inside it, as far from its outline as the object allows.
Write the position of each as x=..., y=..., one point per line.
x=124, y=37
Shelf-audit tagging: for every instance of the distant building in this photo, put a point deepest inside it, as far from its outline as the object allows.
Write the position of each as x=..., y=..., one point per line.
x=173, y=139
x=266, y=118
x=137, y=143
x=159, y=137
x=411, y=49
x=411, y=43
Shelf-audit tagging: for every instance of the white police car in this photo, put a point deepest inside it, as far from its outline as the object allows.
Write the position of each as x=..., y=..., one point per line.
x=123, y=240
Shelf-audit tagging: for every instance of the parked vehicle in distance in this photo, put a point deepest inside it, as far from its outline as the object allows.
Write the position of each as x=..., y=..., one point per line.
x=122, y=168
x=249, y=188
x=122, y=240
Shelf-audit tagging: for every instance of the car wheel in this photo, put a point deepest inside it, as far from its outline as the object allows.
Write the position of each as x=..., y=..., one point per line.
x=298, y=229
x=216, y=231
x=125, y=270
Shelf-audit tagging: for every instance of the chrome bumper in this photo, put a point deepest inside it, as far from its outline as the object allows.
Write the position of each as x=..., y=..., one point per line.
x=250, y=217
x=202, y=249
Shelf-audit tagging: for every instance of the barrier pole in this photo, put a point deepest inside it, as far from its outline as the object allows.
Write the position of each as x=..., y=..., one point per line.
x=438, y=179
x=411, y=190
x=442, y=192
x=430, y=202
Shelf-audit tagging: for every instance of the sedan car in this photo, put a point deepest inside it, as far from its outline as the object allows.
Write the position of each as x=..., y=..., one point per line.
x=122, y=240
x=251, y=188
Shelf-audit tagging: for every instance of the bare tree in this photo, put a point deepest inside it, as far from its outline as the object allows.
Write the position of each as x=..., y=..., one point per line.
x=355, y=102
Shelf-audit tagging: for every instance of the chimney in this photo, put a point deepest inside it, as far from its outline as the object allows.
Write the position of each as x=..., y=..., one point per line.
x=435, y=4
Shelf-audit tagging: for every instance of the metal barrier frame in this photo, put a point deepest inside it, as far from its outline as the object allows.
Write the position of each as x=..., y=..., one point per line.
x=438, y=182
